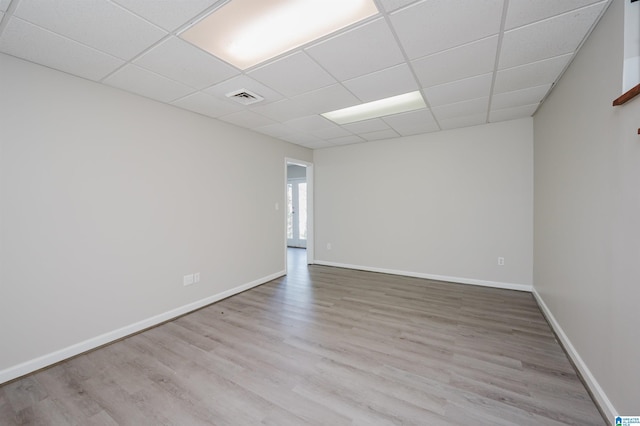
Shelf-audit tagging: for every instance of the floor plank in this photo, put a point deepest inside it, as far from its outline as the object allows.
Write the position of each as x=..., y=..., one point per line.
x=323, y=346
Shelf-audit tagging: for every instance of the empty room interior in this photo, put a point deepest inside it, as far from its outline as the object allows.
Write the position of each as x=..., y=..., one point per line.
x=355, y=212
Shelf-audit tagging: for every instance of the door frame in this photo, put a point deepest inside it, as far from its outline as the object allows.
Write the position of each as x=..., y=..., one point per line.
x=310, y=192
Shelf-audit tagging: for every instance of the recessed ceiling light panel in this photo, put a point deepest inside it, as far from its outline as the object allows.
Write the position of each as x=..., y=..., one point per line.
x=248, y=32
x=380, y=108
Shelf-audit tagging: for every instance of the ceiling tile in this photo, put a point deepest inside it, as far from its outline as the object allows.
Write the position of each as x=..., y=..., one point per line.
x=96, y=23
x=379, y=135
x=331, y=133
x=461, y=90
x=283, y=110
x=247, y=119
x=367, y=126
x=168, y=14
x=293, y=75
x=455, y=64
x=530, y=75
x=523, y=12
x=432, y=26
x=185, y=63
x=146, y=83
x=206, y=105
x=531, y=95
x=461, y=109
x=362, y=50
x=220, y=90
x=316, y=144
x=306, y=140
x=411, y=123
x=346, y=140
x=30, y=42
x=276, y=130
x=548, y=38
x=464, y=121
x=391, y=5
x=326, y=99
x=310, y=123
x=383, y=84
x=512, y=113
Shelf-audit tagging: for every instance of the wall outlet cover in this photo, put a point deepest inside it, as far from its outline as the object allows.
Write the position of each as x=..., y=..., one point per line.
x=187, y=279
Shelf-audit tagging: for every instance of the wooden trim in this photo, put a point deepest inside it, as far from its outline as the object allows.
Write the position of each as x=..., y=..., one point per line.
x=627, y=96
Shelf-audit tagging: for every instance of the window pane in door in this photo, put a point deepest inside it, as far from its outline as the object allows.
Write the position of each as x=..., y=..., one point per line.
x=289, y=211
x=302, y=209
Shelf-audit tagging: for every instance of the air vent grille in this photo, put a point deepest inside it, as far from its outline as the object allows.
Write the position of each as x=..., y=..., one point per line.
x=244, y=97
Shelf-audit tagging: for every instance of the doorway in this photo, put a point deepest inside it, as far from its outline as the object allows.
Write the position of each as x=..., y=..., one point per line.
x=299, y=208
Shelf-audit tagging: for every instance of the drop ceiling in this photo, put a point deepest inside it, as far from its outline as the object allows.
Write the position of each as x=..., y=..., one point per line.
x=475, y=61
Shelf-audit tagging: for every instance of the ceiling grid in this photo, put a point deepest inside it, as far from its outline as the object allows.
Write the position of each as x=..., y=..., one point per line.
x=473, y=61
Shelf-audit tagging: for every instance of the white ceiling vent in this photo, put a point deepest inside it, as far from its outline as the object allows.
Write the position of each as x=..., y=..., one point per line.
x=244, y=96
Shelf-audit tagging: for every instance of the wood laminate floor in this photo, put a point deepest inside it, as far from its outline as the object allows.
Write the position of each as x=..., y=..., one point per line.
x=323, y=346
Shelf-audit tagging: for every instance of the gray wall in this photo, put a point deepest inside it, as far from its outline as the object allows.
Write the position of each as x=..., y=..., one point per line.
x=107, y=199
x=444, y=205
x=587, y=216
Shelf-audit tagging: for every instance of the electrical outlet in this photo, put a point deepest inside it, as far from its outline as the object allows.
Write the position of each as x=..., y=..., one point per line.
x=329, y=246
x=196, y=277
x=187, y=280
x=501, y=261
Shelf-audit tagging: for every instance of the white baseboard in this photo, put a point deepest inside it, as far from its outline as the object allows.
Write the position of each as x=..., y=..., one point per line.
x=87, y=345
x=458, y=280
x=591, y=382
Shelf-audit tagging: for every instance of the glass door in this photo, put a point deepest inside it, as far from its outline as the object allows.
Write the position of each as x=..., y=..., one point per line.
x=297, y=213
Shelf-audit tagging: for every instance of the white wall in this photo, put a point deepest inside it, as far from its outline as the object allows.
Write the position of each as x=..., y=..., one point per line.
x=444, y=204
x=587, y=217
x=108, y=199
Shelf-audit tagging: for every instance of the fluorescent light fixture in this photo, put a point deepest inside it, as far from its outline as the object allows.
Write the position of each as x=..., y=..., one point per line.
x=248, y=32
x=388, y=106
